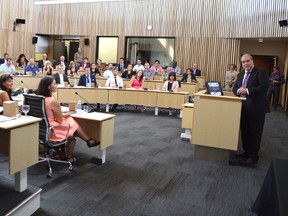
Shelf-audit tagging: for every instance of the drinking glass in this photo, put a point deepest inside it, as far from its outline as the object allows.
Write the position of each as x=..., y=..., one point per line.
x=25, y=109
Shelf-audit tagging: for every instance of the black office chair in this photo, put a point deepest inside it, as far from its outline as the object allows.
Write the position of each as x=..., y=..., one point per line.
x=37, y=109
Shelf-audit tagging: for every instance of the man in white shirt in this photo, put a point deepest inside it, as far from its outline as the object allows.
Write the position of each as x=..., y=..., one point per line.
x=8, y=67
x=108, y=73
x=60, y=77
x=114, y=81
x=138, y=66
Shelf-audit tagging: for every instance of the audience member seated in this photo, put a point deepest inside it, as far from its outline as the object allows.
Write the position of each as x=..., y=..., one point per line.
x=8, y=67
x=61, y=77
x=156, y=68
x=72, y=70
x=43, y=61
x=230, y=77
x=121, y=66
x=138, y=66
x=63, y=63
x=114, y=81
x=147, y=73
x=4, y=59
x=188, y=76
x=31, y=67
x=165, y=74
x=47, y=87
x=100, y=66
x=175, y=68
x=6, y=85
x=94, y=70
x=108, y=72
x=21, y=61
x=171, y=84
x=85, y=63
x=137, y=82
x=86, y=79
x=128, y=73
x=195, y=70
x=48, y=69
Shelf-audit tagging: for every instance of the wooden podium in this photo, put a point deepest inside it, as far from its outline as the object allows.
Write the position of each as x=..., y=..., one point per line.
x=216, y=124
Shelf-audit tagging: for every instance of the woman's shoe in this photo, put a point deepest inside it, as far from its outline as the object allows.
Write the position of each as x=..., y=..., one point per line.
x=92, y=143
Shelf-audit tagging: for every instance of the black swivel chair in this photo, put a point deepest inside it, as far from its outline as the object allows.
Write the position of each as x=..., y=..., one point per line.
x=37, y=109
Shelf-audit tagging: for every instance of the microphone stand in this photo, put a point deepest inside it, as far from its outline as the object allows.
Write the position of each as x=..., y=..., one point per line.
x=88, y=104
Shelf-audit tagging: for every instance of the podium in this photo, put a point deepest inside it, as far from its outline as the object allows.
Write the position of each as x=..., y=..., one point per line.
x=216, y=124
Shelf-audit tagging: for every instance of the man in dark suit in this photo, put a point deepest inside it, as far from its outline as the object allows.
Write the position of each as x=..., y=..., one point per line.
x=87, y=78
x=4, y=59
x=63, y=63
x=61, y=77
x=252, y=83
x=43, y=61
x=195, y=70
x=121, y=66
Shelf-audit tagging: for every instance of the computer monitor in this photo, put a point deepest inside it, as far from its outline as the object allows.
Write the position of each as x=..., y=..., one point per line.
x=214, y=88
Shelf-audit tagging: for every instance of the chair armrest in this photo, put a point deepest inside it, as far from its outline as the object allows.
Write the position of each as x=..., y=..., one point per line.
x=59, y=125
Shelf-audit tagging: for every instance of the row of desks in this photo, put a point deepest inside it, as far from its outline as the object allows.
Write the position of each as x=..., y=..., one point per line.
x=124, y=96
x=33, y=81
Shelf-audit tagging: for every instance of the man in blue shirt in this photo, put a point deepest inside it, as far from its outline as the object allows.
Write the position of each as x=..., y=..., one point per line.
x=31, y=67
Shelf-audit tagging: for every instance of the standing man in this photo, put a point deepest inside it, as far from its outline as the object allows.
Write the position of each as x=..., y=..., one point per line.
x=251, y=83
x=275, y=81
x=195, y=70
x=78, y=57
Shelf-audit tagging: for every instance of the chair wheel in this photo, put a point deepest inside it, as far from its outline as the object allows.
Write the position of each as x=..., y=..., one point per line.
x=71, y=168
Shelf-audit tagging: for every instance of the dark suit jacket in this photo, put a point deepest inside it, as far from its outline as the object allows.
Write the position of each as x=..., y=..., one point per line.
x=198, y=72
x=2, y=61
x=41, y=64
x=82, y=80
x=256, y=101
x=185, y=77
x=57, y=78
x=95, y=72
x=118, y=67
x=66, y=66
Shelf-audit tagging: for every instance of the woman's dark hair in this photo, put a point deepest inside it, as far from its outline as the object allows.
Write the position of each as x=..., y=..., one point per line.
x=172, y=74
x=141, y=78
x=3, y=79
x=157, y=61
x=20, y=56
x=190, y=69
x=43, y=87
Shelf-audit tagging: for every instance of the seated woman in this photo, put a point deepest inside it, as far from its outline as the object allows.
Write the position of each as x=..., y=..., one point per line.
x=22, y=61
x=171, y=84
x=100, y=66
x=137, y=82
x=6, y=84
x=188, y=76
x=128, y=73
x=72, y=71
x=46, y=87
x=48, y=69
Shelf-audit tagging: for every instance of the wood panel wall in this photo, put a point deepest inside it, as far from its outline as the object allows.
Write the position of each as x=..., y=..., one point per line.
x=19, y=41
x=206, y=31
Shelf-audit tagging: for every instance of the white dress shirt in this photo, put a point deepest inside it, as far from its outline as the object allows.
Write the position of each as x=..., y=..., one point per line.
x=108, y=73
x=111, y=81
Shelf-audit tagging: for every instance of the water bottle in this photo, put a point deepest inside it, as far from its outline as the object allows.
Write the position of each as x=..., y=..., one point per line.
x=79, y=106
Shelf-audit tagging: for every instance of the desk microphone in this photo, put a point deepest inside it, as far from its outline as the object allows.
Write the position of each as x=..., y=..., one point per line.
x=30, y=91
x=91, y=107
x=20, y=86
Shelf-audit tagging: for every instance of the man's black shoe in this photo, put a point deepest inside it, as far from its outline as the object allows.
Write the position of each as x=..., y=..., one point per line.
x=241, y=155
x=249, y=161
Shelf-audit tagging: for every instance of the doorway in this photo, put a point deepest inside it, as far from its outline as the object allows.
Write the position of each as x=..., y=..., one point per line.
x=265, y=62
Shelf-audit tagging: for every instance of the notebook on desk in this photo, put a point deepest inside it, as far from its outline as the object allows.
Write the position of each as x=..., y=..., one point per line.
x=5, y=118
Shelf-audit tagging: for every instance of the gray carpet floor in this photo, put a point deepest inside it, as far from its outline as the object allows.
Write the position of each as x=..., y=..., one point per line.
x=151, y=171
